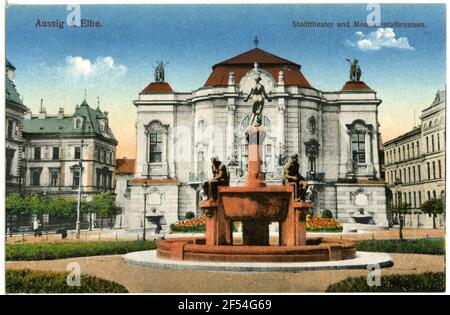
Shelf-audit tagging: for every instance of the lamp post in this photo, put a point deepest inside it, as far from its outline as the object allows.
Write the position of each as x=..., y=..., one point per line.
x=145, y=187
x=400, y=210
x=80, y=165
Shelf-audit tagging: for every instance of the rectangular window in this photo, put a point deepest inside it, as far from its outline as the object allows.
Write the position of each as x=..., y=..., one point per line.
x=439, y=169
x=155, y=148
x=434, y=170
x=412, y=148
x=418, y=173
x=434, y=194
x=358, y=148
x=418, y=151
x=268, y=157
x=10, y=128
x=429, y=195
x=35, y=177
x=54, y=177
x=409, y=174
x=432, y=143
x=420, y=198
x=428, y=170
x=415, y=201
x=414, y=173
x=55, y=155
x=438, y=142
x=244, y=156
x=77, y=154
x=410, y=200
x=428, y=147
x=76, y=179
x=37, y=153
x=407, y=149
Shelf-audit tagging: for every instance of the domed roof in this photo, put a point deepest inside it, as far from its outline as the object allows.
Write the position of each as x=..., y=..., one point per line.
x=244, y=62
x=355, y=86
x=157, y=87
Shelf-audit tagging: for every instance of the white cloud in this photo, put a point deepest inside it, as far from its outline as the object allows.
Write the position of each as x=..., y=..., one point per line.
x=77, y=66
x=381, y=38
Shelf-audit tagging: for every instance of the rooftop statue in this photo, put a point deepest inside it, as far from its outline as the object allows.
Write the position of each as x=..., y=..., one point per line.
x=159, y=71
x=258, y=94
x=355, y=70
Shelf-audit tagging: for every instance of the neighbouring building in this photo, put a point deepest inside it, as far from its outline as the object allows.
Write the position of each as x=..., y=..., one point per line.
x=14, y=111
x=124, y=173
x=416, y=160
x=335, y=134
x=56, y=144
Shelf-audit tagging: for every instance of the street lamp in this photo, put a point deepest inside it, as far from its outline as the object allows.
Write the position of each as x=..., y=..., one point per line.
x=145, y=187
x=80, y=178
x=397, y=184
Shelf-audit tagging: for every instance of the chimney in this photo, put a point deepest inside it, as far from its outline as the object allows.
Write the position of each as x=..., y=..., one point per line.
x=42, y=111
x=61, y=113
x=27, y=114
x=231, y=82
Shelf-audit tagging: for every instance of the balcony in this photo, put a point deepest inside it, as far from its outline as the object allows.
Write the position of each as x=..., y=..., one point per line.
x=197, y=178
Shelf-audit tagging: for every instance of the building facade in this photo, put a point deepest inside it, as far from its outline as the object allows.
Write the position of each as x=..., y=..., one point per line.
x=56, y=144
x=334, y=133
x=416, y=160
x=14, y=111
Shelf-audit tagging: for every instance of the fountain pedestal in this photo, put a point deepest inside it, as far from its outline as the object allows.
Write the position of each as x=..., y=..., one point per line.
x=256, y=206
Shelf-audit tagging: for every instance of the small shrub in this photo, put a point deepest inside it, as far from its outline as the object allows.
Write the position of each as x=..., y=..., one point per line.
x=58, y=250
x=189, y=215
x=327, y=214
x=429, y=246
x=33, y=281
x=424, y=282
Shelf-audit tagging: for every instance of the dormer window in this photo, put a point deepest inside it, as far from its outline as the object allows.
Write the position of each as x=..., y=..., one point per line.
x=78, y=122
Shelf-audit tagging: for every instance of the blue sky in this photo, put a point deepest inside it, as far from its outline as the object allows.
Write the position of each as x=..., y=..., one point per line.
x=115, y=61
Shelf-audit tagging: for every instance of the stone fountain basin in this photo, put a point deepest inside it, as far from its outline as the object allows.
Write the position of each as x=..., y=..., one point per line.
x=242, y=203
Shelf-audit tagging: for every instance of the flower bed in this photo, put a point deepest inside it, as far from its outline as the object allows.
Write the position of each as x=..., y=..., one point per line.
x=313, y=224
x=320, y=224
x=196, y=224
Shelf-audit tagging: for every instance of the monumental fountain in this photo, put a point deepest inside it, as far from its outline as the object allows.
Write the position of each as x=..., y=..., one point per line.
x=256, y=205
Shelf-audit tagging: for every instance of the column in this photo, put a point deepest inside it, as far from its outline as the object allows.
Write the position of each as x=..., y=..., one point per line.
x=281, y=143
x=230, y=129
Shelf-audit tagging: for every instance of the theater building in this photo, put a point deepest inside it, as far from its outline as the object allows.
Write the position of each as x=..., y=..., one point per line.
x=335, y=134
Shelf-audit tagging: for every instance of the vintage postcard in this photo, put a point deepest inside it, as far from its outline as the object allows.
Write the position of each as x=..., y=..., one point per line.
x=224, y=148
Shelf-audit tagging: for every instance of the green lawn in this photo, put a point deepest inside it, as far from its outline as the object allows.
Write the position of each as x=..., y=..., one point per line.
x=32, y=281
x=425, y=282
x=430, y=246
x=57, y=250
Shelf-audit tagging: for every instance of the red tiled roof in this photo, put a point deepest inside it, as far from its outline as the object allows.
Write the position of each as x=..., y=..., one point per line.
x=243, y=63
x=355, y=86
x=152, y=181
x=125, y=166
x=158, y=87
x=256, y=55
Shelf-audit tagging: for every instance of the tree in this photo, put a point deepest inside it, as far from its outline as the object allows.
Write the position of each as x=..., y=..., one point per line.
x=15, y=205
x=401, y=210
x=104, y=205
x=433, y=207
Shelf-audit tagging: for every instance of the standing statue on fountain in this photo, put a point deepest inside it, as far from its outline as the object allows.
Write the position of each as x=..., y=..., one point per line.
x=220, y=178
x=292, y=175
x=258, y=94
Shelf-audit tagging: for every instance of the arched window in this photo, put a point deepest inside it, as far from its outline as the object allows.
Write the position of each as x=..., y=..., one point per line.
x=201, y=126
x=155, y=132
